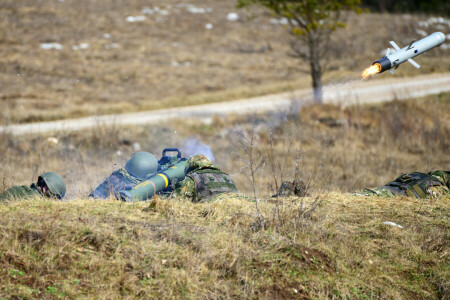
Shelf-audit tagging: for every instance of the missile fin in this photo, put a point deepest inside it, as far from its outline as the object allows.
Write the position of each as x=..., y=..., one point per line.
x=392, y=71
x=396, y=47
x=388, y=51
x=414, y=63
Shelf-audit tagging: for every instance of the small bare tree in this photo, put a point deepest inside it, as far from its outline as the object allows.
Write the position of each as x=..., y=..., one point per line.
x=311, y=22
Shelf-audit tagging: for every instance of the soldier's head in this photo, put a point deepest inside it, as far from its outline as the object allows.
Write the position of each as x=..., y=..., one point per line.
x=52, y=185
x=198, y=161
x=142, y=164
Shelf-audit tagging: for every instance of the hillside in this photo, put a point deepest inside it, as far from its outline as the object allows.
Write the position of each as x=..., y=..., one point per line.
x=332, y=245
x=64, y=59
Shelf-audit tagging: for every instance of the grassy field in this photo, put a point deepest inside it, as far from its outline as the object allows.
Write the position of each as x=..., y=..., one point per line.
x=329, y=244
x=171, y=58
x=338, y=248
x=332, y=147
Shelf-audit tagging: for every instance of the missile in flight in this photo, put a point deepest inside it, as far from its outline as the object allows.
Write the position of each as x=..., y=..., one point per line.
x=392, y=61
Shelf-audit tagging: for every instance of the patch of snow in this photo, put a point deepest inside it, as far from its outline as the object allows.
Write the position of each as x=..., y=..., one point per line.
x=448, y=36
x=392, y=224
x=421, y=32
x=106, y=36
x=423, y=24
x=156, y=9
x=195, y=10
x=445, y=46
x=147, y=11
x=187, y=64
x=75, y=48
x=282, y=21
x=112, y=45
x=440, y=27
x=209, y=26
x=232, y=17
x=52, y=140
x=119, y=153
x=134, y=19
x=136, y=147
x=175, y=44
x=51, y=46
x=84, y=46
x=175, y=63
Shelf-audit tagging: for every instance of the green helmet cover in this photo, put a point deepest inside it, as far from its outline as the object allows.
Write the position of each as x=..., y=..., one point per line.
x=55, y=183
x=142, y=164
x=199, y=161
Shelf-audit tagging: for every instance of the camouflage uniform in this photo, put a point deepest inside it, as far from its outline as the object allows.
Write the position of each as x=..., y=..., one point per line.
x=204, y=181
x=118, y=181
x=20, y=192
x=416, y=184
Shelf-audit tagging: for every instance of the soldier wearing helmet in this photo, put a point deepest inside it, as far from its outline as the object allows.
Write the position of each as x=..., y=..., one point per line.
x=141, y=166
x=49, y=185
x=204, y=181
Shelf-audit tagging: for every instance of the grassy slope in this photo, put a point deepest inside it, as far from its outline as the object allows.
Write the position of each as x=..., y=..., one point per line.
x=177, y=249
x=233, y=60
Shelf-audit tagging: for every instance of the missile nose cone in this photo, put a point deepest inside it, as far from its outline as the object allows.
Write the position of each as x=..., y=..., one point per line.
x=439, y=36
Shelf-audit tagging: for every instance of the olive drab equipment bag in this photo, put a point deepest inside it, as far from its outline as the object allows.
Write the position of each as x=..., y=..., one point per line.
x=211, y=182
x=415, y=184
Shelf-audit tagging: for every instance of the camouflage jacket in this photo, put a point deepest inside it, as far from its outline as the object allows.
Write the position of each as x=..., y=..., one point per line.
x=119, y=180
x=20, y=192
x=416, y=184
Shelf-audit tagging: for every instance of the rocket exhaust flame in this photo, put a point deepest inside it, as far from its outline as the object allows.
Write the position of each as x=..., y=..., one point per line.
x=372, y=70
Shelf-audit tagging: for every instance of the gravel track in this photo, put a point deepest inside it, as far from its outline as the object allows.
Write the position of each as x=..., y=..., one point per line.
x=344, y=93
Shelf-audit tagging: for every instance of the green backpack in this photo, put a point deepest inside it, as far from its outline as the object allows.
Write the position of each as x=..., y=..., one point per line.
x=211, y=182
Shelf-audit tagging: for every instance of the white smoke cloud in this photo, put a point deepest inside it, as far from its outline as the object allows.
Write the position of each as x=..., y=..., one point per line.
x=192, y=147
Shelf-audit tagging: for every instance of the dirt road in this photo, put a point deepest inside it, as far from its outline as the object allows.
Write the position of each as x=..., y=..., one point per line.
x=357, y=91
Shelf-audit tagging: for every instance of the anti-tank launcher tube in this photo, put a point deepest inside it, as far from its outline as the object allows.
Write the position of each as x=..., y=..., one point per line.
x=155, y=184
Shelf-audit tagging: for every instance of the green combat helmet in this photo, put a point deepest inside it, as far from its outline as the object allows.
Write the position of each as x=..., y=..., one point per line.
x=142, y=164
x=54, y=183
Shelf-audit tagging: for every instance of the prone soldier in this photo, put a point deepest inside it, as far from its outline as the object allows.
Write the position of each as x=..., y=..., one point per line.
x=49, y=185
x=136, y=170
x=419, y=185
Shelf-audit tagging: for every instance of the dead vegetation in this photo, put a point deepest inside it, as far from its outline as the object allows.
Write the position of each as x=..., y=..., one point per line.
x=170, y=60
x=178, y=249
x=326, y=245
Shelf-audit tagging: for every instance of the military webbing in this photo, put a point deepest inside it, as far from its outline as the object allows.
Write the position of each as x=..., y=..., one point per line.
x=215, y=171
x=220, y=184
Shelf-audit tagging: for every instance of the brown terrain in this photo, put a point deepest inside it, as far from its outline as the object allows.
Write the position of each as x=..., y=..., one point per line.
x=110, y=65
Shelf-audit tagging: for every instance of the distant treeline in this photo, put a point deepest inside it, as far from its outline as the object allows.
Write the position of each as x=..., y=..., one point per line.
x=441, y=7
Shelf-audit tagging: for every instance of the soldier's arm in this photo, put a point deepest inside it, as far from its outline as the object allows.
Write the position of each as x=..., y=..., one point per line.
x=185, y=188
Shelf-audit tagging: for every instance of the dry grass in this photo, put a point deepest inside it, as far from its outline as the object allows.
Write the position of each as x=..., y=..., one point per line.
x=329, y=244
x=233, y=60
x=178, y=249
x=331, y=147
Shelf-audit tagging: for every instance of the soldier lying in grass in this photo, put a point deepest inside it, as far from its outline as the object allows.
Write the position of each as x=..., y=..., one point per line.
x=204, y=181
x=49, y=185
x=416, y=184
x=136, y=170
